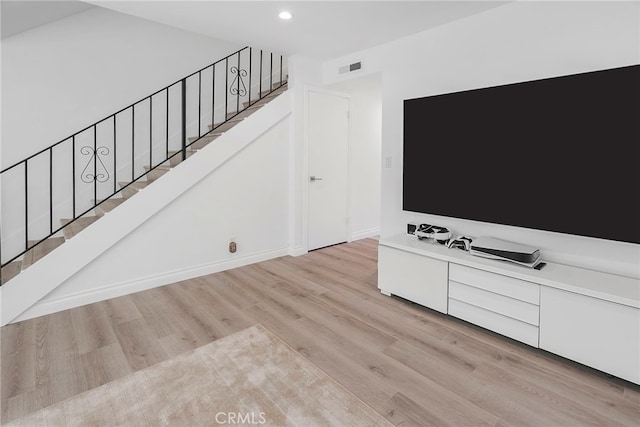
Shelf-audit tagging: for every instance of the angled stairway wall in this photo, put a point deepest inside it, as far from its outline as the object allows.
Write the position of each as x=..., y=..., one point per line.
x=60, y=77
x=176, y=229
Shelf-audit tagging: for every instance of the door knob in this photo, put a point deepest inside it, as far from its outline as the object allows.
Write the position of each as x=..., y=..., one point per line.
x=313, y=178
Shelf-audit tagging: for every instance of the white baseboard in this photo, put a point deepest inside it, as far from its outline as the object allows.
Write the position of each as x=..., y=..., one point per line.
x=372, y=232
x=297, y=251
x=53, y=305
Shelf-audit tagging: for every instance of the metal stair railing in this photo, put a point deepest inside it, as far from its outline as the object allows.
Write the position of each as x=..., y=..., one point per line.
x=46, y=186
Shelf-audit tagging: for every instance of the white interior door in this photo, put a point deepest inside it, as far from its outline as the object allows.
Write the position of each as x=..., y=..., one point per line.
x=328, y=149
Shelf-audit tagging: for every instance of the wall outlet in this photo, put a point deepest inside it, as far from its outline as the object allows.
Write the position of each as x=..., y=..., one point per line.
x=387, y=162
x=233, y=247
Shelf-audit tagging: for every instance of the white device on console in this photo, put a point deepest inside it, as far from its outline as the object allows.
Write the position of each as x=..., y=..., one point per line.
x=489, y=247
x=427, y=231
x=460, y=242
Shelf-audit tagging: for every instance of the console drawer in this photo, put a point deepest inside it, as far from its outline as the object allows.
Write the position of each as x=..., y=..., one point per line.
x=500, y=304
x=420, y=279
x=503, y=325
x=503, y=285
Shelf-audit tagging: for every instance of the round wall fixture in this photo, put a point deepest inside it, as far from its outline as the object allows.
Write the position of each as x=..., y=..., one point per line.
x=285, y=15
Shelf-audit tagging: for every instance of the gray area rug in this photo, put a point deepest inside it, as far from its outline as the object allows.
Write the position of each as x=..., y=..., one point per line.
x=248, y=378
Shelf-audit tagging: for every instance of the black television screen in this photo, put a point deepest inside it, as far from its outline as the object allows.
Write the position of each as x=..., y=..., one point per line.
x=560, y=154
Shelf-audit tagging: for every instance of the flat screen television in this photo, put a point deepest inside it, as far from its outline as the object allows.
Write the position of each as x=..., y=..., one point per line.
x=560, y=154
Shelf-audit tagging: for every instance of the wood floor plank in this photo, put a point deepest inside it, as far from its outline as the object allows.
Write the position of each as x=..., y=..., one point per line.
x=92, y=327
x=416, y=326
x=59, y=374
x=140, y=346
x=361, y=249
x=18, y=375
x=250, y=275
x=631, y=396
x=180, y=321
x=486, y=345
x=23, y=403
x=285, y=273
x=605, y=401
x=285, y=308
x=18, y=359
x=121, y=309
x=104, y=365
x=228, y=319
x=156, y=310
x=319, y=311
x=343, y=258
x=527, y=399
x=392, y=376
x=413, y=365
x=178, y=343
x=331, y=278
x=238, y=296
x=403, y=411
x=191, y=315
x=70, y=382
x=304, y=338
x=454, y=372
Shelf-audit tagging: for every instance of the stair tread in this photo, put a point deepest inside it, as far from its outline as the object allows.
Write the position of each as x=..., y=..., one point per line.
x=82, y=220
x=205, y=140
x=225, y=126
x=138, y=185
x=177, y=156
x=110, y=204
x=37, y=253
x=10, y=271
x=159, y=167
x=246, y=112
x=189, y=151
x=128, y=192
x=156, y=173
x=266, y=96
x=77, y=226
x=210, y=135
x=275, y=88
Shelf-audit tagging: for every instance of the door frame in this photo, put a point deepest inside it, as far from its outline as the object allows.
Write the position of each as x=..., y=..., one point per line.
x=305, y=169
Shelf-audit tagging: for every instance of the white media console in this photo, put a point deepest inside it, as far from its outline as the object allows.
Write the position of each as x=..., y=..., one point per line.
x=584, y=315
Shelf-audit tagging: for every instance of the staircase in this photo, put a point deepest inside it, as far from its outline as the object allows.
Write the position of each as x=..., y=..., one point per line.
x=238, y=104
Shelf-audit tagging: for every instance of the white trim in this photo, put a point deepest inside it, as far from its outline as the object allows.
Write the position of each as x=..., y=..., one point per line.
x=293, y=209
x=305, y=169
x=54, y=305
x=297, y=251
x=364, y=234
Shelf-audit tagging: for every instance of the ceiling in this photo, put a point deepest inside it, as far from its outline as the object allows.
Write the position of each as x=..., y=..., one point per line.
x=319, y=29
x=20, y=16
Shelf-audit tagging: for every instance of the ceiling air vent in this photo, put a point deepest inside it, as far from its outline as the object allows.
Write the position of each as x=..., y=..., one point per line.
x=349, y=68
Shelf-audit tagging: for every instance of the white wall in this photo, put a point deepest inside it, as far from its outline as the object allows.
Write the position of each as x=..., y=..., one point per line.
x=244, y=199
x=63, y=76
x=517, y=42
x=365, y=141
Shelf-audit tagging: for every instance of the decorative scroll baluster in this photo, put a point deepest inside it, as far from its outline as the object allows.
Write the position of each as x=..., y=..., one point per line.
x=237, y=86
x=90, y=174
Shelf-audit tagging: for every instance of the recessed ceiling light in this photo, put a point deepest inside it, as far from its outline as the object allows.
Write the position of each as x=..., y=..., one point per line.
x=285, y=15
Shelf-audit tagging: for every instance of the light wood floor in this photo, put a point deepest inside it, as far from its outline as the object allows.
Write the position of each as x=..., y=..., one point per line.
x=412, y=365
